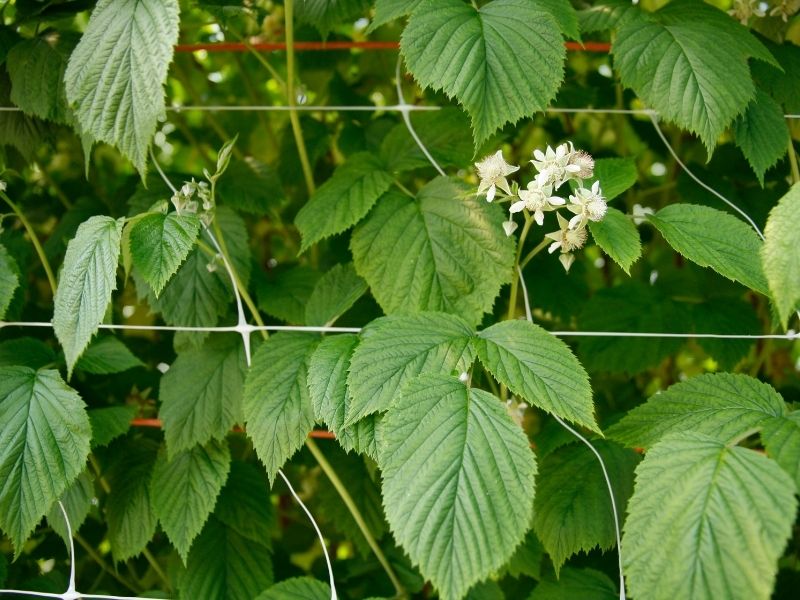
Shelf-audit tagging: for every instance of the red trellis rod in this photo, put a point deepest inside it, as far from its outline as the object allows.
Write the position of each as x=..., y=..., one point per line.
x=342, y=45
x=157, y=424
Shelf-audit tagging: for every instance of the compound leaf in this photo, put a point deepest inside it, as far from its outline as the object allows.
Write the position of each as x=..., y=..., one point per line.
x=116, y=73
x=726, y=511
x=458, y=481
x=277, y=407
x=84, y=289
x=44, y=443
x=455, y=259
x=395, y=349
x=538, y=367
x=448, y=45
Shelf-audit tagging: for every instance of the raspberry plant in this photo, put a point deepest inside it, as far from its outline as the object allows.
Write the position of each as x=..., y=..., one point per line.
x=508, y=315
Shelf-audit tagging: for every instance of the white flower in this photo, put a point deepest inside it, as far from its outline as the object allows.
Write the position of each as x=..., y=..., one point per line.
x=537, y=199
x=744, y=9
x=785, y=9
x=587, y=204
x=509, y=227
x=552, y=165
x=581, y=164
x=566, y=239
x=640, y=213
x=493, y=171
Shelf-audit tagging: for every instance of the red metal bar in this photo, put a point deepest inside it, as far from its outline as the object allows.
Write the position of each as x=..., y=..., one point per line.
x=343, y=45
x=157, y=424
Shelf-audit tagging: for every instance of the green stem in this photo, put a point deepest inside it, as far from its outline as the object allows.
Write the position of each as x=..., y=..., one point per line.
x=541, y=246
x=291, y=97
x=793, y=162
x=359, y=519
x=157, y=568
x=103, y=565
x=403, y=188
x=35, y=240
x=512, y=300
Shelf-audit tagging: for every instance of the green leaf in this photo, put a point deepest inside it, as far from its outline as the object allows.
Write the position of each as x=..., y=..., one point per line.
x=781, y=438
x=629, y=307
x=325, y=14
x=285, y=295
x=343, y=200
x=666, y=58
x=84, y=289
x=605, y=15
x=333, y=295
x=26, y=352
x=250, y=186
x=723, y=406
x=116, y=74
x=9, y=280
x=716, y=239
x=225, y=565
x=107, y=355
x=159, y=243
x=586, y=584
x=77, y=500
x=130, y=515
x=527, y=560
x=37, y=80
x=538, y=367
x=201, y=394
x=731, y=316
x=389, y=10
x=618, y=237
x=455, y=255
x=564, y=14
x=17, y=129
x=393, y=350
x=780, y=255
x=44, y=443
x=110, y=423
x=726, y=511
x=277, y=406
x=244, y=505
x=442, y=133
x=185, y=489
x=458, y=481
x=298, y=588
x=616, y=175
x=573, y=511
x=783, y=83
x=468, y=54
x=762, y=134
x=327, y=381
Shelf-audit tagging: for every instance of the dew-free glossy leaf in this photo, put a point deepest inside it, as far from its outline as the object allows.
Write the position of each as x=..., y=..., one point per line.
x=159, y=243
x=448, y=45
x=244, y=504
x=725, y=511
x=389, y=10
x=395, y=349
x=458, y=481
x=107, y=355
x=37, y=80
x=616, y=175
x=780, y=256
x=343, y=200
x=84, y=289
x=572, y=511
x=781, y=438
x=716, y=239
x=604, y=15
x=335, y=292
x=455, y=255
x=225, y=565
x=185, y=489
x=201, y=394
x=116, y=74
x=762, y=134
x=110, y=423
x=538, y=367
x=618, y=237
x=666, y=57
x=44, y=443
x=723, y=406
x=277, y=407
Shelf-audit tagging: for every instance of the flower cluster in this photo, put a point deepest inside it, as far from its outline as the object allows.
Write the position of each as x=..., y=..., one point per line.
x=184, y=200
x=554, y=167
x=744, y=10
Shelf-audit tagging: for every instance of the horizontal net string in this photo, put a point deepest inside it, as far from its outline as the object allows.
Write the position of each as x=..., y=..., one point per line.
x=790, y=335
